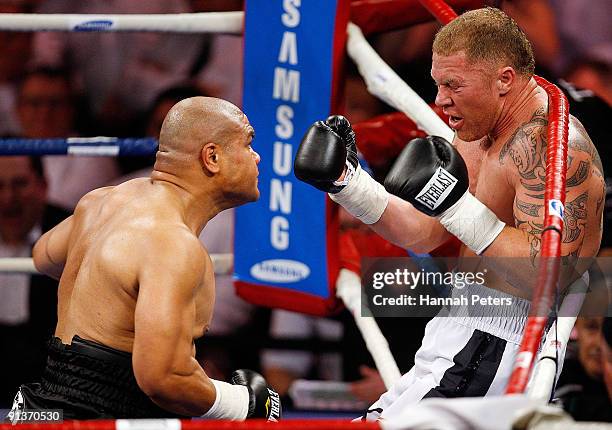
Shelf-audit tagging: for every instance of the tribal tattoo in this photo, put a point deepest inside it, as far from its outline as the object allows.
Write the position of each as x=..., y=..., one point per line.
x=527, y=150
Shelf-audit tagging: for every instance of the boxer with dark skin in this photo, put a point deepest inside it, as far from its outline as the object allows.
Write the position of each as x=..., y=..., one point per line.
x=133, y=274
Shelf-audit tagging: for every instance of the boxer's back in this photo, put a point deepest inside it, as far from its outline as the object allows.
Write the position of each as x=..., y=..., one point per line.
x=113, y=230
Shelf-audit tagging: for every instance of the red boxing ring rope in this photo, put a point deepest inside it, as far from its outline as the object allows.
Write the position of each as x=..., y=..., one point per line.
x=376, y=16
x=197, y=425
x=548, y=274
x=556, y=169
x=440, y=9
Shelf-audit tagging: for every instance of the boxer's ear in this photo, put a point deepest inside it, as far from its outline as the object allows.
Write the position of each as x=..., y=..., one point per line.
x=505, y=79
x=210, y=157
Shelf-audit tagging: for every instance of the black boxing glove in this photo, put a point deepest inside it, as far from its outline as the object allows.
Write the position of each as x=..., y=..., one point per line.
x=431, y=175
x=326, y=148
x=264, y=402
x=343, y=128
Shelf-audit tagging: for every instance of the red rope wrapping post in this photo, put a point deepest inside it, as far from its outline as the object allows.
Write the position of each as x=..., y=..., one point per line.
x=554, y=199
x=198, y=425
x=376, y=16
x=440, y=9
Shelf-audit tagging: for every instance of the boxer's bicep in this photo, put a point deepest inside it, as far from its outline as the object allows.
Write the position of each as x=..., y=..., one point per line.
x=51, y=250
x=165, y=317
x=584, y=187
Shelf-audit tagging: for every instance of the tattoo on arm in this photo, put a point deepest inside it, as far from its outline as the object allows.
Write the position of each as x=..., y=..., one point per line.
x=581, y=174
x=569, y=260
x=534, y=231
x=530, y=209
x=575, y=218
x=527, y=149
x=531, y=227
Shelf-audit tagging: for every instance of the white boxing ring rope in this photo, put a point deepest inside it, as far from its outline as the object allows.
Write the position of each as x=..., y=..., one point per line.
x=385, y=84
x=545, y=369
x=348, y=288
x=223, y=264
x=381, y=81
x=205, y=22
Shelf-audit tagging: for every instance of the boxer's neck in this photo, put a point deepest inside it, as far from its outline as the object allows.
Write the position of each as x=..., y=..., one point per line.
x=197, y=199
x=517, y=109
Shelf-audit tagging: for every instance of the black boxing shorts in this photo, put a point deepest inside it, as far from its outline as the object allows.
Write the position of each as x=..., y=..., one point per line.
x=88, y=380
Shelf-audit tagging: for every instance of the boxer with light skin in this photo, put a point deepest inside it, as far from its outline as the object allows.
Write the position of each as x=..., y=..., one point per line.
x=136, y=282
x=486, y=188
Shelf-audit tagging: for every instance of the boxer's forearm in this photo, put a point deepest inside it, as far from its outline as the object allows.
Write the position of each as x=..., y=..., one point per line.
x=409, y=228
x=190, y=393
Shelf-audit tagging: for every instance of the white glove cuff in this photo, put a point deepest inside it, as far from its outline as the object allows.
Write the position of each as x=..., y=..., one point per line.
x=472, y=223
x=350, y=172
x=231, y=402
x=363, y=197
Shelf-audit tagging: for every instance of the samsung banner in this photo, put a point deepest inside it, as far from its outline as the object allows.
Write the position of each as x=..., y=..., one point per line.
x=283, y=252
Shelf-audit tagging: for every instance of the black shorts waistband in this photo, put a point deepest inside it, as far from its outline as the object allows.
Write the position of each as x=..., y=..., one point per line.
x=97, y=350
x=86, y=376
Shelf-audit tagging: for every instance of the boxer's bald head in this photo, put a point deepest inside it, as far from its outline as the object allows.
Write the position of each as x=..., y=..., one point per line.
x=208, y=138
x=193, y=122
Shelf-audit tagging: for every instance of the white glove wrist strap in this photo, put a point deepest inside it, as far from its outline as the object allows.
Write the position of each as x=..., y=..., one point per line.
x=363, y=197
x=472, y=223
x=350, y=172
x=231, y=402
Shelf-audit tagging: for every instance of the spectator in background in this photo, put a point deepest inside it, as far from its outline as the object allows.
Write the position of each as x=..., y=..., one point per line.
x=562, y=46
x=360, y=104
x=583, y=25
x=537, y=19
x=283, y=366
x=121, y=73
x=581, y=387
x=222, y=74
x=594, y=71
x=594, y=114
x=133, y=167
x=15, y=50
x=408, y=52
x=27, y=303
x=46, y=109
x=164, y=101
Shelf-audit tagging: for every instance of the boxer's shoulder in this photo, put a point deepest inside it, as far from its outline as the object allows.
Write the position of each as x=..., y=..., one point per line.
x=174, y=245
x=579, y=141
x=93, y=197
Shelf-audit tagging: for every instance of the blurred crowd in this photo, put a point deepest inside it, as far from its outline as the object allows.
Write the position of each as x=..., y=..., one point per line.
x=58, y=84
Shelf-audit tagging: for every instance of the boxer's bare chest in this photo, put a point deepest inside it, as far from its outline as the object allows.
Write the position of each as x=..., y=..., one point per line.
x=489, y=179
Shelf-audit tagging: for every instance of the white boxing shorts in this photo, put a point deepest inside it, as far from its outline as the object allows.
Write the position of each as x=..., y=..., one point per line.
x=467, y=351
